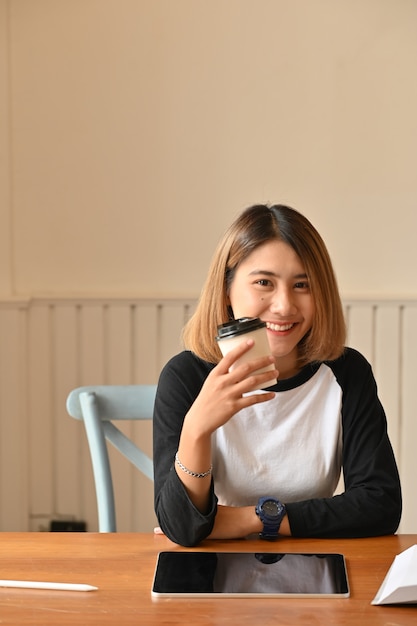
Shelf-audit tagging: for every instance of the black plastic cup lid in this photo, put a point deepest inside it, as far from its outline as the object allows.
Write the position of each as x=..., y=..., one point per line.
x=239, y=326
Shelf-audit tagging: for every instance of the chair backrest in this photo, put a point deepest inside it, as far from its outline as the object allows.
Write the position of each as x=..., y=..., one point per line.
x=99, y=406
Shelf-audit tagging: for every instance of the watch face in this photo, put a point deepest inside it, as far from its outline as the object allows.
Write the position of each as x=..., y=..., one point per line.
x=270, y=508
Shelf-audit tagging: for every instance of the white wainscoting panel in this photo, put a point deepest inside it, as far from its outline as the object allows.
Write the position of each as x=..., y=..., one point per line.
x=50, y=346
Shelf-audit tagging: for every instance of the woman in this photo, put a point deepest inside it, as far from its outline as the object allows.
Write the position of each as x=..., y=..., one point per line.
x=230, y=461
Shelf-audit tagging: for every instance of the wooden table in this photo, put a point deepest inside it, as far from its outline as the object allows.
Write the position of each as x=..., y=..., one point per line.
x=122, y=566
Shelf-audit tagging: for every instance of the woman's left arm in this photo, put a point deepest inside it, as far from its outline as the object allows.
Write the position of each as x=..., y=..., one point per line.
x=371, y=503
x=234, y=522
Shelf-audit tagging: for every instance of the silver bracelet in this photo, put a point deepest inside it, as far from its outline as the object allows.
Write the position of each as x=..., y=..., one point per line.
x=189, y=472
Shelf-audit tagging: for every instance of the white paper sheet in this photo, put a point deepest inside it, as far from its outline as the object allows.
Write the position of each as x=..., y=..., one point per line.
x=400, y=583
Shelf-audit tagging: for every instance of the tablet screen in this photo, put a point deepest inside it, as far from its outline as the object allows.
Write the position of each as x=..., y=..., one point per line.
x=248, y=574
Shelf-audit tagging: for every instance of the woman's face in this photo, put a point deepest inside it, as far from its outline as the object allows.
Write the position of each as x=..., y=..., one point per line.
x=271, y=283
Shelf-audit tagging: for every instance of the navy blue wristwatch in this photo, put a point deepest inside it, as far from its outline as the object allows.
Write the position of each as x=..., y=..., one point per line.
x=270, y=511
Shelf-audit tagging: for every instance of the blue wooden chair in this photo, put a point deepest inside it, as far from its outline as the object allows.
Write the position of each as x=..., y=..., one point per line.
x=98, y=407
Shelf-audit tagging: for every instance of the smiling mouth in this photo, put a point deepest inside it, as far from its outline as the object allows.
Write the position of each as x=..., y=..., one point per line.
x=279, y=327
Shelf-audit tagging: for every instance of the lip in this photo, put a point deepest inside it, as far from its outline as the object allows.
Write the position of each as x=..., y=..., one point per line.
x=280, y=327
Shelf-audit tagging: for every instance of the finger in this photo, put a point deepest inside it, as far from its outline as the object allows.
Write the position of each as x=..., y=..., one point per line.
x=228, y=359
x=252, y=382
x=241, y=371
x=249, y=399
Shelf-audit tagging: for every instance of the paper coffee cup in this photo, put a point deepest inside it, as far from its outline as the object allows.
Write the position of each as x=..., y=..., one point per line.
x=234, y=332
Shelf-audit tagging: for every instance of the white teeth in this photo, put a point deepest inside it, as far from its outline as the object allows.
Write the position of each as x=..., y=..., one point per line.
x=278, y=327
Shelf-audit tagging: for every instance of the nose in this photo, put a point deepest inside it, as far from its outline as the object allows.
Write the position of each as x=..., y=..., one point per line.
x=283, y=303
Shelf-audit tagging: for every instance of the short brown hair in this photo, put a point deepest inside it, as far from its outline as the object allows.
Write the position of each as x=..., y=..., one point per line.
x=254, y=227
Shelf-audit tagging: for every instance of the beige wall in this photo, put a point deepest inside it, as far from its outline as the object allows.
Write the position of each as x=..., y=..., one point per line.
x=5, y=174
x=133, y=131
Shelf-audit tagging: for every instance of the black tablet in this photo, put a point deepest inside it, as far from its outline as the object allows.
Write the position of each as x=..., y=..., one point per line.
x=250, y=574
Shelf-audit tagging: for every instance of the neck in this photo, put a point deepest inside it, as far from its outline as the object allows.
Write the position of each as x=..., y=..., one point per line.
x=287, y=366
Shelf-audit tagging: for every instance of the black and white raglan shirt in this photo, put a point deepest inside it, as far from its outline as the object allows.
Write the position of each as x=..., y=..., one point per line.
x=323, y=423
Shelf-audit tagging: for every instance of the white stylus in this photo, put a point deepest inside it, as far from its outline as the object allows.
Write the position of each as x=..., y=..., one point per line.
x=31, y=584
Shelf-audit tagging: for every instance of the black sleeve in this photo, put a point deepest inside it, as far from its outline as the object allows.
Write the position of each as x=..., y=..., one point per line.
x=179, y=384
x=371, y=503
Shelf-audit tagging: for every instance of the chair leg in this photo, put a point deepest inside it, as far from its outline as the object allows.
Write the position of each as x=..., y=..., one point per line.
x=100, y=462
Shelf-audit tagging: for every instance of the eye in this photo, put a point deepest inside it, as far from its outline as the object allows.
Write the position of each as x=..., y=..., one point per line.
x=263, y=282
x=302, y=285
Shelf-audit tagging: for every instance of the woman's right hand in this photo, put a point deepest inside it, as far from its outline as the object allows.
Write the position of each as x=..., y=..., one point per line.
x=223, y=392
x=221, y=396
